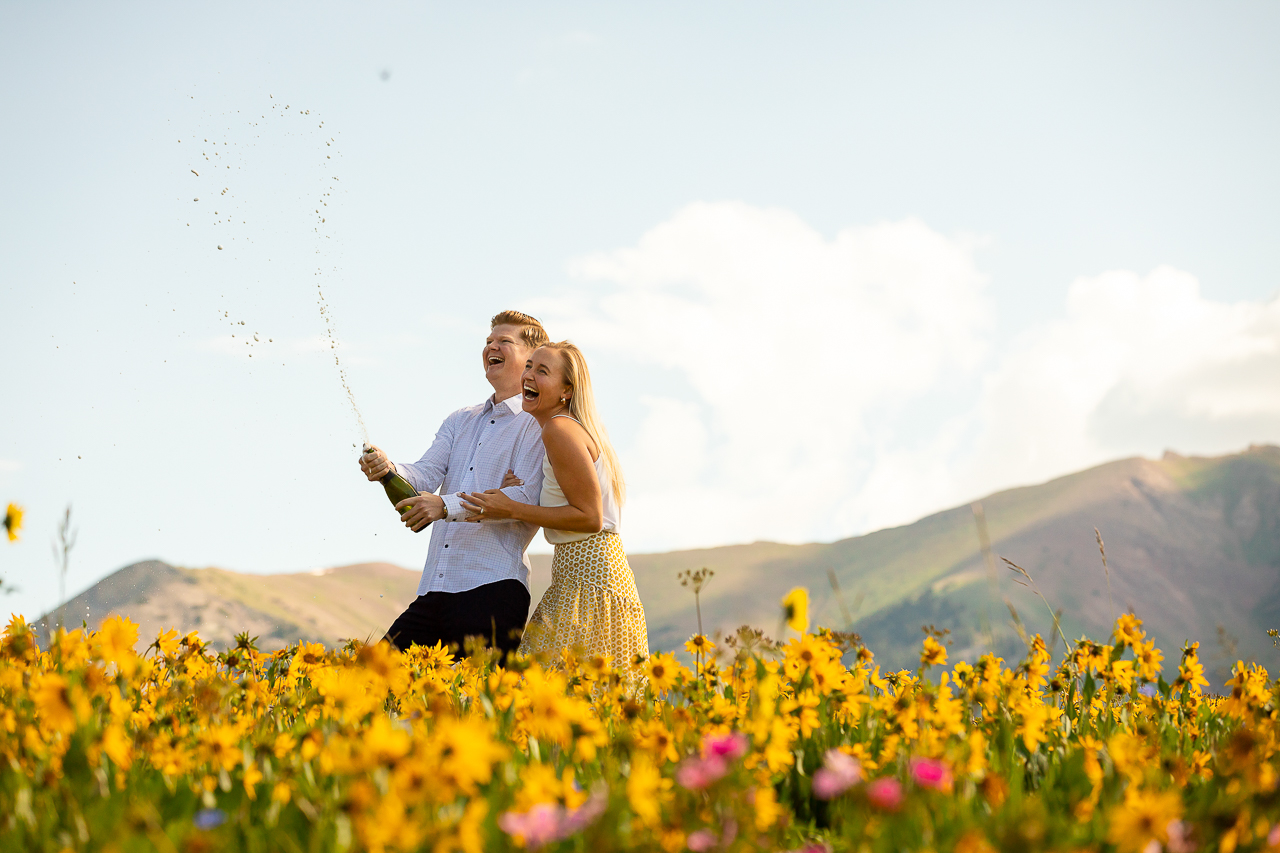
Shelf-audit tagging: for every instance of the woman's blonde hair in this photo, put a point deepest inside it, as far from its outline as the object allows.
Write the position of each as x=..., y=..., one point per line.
x=582, y=405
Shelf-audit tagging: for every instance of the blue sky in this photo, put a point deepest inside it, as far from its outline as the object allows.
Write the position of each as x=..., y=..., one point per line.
x=835, y=267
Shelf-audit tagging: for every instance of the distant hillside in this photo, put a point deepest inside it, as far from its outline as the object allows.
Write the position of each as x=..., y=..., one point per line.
x=328, y=605
x=1193, y=544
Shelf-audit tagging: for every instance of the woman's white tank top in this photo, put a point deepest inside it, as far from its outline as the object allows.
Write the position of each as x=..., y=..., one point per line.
x=553, y=495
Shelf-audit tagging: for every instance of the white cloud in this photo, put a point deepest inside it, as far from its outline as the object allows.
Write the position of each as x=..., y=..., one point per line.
x=810, y=388
x=1138, y=363
x=788, y=341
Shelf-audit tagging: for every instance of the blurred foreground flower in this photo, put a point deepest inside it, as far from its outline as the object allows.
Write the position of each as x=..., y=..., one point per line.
x=885, y=794
x=930, y=773
x=839, y=773
x=548, y=822
x=209, y=818
x=933, y=653
x=717, y=751
x=795, y=609
x=13, y=521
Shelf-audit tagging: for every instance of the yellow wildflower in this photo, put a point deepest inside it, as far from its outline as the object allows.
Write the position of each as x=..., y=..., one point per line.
x=656, y=738
x=13, y=521
x=974, y=841
x=538, y=784
x=795, y=608
x=55, y=703
x=221, y=745
x=252, y=776
x=1142, y=817
x=1122, y=672
x=645, y=786
x=468, y=834
x=118, y=746
x=765, y=805
x=167, y=642
x=933, y=653
x=467, y=752
x=115, y=641
x=1128, y=630
x=1191, y=671
x=698, y=645
x=1148, y=659
x=662, y=670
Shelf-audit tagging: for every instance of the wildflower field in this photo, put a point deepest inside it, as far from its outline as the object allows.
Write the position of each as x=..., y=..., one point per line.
x=761, y=746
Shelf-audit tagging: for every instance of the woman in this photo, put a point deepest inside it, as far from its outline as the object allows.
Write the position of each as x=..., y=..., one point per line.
x=592, y=603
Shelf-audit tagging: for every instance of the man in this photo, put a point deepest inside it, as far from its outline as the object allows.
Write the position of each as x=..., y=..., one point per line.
x=476, y=579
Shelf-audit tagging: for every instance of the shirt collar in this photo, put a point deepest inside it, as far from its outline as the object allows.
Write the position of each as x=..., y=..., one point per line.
x=514, y=403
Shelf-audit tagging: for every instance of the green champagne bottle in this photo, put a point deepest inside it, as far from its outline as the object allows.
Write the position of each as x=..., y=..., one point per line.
x=397, y=488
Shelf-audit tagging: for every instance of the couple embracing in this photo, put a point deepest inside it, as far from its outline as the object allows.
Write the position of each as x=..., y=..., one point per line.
x=535, y=454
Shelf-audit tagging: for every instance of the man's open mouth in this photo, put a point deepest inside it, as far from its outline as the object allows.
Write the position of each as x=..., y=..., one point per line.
x=530, y=392
x=495, y=359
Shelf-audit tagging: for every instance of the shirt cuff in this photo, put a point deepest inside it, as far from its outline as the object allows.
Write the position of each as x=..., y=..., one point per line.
x=453, y=508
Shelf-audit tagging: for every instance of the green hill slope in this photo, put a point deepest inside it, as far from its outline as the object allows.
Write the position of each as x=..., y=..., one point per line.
x=1193, y=544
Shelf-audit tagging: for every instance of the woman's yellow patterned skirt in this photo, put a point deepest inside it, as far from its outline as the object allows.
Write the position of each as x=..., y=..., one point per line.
x=591, y=607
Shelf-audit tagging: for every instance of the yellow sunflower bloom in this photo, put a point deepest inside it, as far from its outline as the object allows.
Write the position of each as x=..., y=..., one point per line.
x=13, y=521
x=662, y=670
x=795, y=607
x=933, y=653
x=698, y=645
x=1142, y=817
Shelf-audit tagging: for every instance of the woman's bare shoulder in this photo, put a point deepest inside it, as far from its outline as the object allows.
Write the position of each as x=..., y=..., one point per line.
x=563, y=434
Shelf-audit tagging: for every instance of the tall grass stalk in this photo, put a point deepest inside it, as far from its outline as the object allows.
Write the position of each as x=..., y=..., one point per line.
x=1102, y=549
x=62, y=557
x=984, y=543
x=1016, y=569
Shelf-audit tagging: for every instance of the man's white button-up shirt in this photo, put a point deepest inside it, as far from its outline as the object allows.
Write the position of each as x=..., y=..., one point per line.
x=472, y=451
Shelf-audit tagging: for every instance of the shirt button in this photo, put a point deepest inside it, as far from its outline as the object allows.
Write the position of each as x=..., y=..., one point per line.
x=469, y=469
x=446, y=546
x=439, y=576
x=493, y=422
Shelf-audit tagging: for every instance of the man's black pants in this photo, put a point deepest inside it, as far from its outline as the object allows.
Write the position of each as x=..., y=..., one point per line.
x=495, y=612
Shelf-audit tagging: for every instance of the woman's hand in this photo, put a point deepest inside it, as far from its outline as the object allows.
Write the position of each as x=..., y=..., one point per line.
x=510, y=479
x=489, y=505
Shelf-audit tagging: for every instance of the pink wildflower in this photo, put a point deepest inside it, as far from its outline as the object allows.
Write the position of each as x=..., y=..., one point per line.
x=537, y=826
x=728, y=747
x=1180, y=840
x=930, y=773
x=730, y=831
x=697, y=773
x=701, y=840
x=885, y=794
x=547, y=822
x=584, y=815
x=839, y=773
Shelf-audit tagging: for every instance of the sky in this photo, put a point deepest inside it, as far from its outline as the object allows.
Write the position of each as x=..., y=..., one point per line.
x=835, y=267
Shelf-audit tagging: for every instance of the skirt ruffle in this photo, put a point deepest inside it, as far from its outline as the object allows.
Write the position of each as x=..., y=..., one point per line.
x=591, y=607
